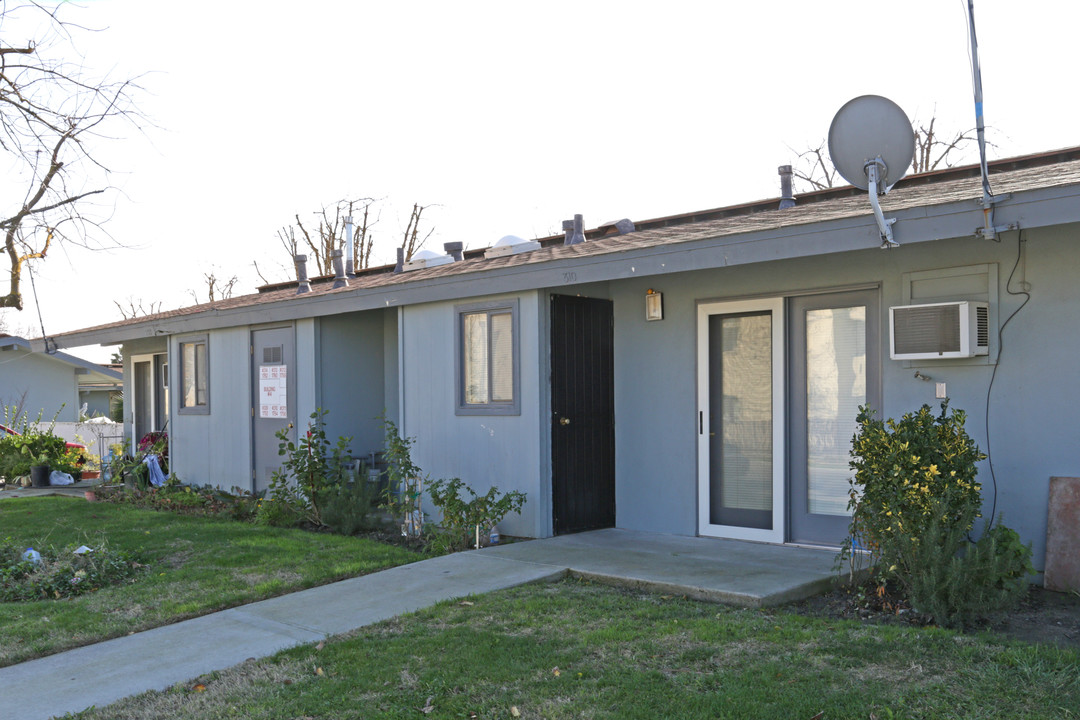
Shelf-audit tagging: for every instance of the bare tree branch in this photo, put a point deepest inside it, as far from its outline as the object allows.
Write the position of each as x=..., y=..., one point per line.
x=132, y=310
x=259, y=273
x=412, y=241
x=814, y=168
x=215, y=289
x=48, y=110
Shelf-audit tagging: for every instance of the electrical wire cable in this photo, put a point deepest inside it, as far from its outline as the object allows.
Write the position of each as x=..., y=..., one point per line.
x=1001, y=350
x=30, y=269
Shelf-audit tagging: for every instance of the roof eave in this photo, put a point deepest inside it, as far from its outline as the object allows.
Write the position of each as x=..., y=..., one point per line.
x=1038, y=207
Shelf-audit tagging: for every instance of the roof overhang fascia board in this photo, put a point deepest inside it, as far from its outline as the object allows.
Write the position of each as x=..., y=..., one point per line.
x=82, y=367
x=916, y=224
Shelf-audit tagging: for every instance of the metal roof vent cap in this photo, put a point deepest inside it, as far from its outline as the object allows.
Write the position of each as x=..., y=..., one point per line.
x=576, y=232
x=302, y=284
x=787, y=198
x=621, y=227
x=455, y=250
x=426, y=259
x=511, y=245
x=339, y=271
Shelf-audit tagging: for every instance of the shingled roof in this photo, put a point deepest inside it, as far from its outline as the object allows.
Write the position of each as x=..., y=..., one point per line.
x=1046, y=170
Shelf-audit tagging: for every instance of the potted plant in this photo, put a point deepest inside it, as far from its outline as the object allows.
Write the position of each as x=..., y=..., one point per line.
x=39, y=471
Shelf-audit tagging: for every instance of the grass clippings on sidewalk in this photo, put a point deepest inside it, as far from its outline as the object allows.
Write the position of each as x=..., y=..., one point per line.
x=573, y=649
x=196, y=565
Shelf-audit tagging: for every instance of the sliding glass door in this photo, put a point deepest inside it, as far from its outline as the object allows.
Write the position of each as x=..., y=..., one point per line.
x=741, y=419
x=834, y=361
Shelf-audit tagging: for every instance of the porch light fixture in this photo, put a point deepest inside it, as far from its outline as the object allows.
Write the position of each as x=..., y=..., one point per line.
x=654, y=305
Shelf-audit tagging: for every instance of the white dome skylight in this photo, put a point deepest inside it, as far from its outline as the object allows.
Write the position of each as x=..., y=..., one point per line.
x=511, y=245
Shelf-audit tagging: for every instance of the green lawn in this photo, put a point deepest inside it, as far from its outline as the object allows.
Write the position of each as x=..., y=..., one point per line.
x=196, y=566
x=577, y=650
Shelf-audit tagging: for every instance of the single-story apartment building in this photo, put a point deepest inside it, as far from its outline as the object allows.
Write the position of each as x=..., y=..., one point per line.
x=54, y=385
x=695, y=375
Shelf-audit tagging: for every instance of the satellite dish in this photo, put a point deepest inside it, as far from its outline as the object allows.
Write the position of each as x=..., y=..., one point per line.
x=871, y=144
x=868, y=128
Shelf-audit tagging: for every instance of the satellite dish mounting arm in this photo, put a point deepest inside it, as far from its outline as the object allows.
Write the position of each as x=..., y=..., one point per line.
x=875, y=169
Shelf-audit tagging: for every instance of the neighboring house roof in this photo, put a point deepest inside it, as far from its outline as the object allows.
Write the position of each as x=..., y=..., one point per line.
x=88, y=373
x=1036, y=190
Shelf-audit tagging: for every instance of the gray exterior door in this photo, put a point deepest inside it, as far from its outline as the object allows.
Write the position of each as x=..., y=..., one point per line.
x=273, y=393
x=835, y=363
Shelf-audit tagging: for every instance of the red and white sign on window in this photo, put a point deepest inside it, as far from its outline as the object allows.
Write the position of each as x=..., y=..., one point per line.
x=273, y=391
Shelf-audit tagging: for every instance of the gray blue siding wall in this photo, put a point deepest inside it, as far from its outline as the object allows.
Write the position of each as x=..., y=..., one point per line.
x=35, y=383
x=351, y=377
x=215, y=448
x=97, y=402
x=1032, y=407
x=482, y=450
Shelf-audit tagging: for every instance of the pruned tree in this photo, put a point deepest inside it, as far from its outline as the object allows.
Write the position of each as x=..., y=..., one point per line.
x=363, y=239
x=132, y=308
x=216, y=289
x=933, y=152
x=53, y=122
x=814, y=168
x=320, y=243
x=412, y=240
x=331, y=234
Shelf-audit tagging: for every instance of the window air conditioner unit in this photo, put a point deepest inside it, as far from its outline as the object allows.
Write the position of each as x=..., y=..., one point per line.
x=938, y=331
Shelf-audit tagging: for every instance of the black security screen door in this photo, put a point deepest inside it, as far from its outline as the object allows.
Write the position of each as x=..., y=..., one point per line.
x=582, y=414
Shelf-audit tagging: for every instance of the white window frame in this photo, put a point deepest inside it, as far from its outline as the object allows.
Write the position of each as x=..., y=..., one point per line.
x=135, y=398
x=197, y=409
x=512, y=407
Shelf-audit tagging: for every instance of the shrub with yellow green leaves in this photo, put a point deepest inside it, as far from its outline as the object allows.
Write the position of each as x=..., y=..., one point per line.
x=915, y=500
x=910, y=470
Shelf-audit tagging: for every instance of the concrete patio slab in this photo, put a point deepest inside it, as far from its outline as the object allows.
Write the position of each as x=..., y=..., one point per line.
x=733, y=572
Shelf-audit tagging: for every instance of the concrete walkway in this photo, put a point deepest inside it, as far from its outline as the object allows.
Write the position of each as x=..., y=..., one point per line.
x=747, y=574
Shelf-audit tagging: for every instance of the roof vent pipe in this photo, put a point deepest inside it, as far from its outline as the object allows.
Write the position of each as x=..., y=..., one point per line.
x=453, y=249
x=577, y=231
x=302, y=284
x=339, y=271
x=350, y=264
x=568, y=231
x=400, y=260
x=787, y=199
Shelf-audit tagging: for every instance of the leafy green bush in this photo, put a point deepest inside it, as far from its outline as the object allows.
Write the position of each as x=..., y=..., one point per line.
x=62, y=573
x=71, y=461
x=461, y=517
x=906, y=469
x=914, y=501
x=32, y=446
x=349, y=507
x=405, y=482
x=981, y=579
x=312, y=475
x=175, y=496
x=276, y=512
x=18, y=453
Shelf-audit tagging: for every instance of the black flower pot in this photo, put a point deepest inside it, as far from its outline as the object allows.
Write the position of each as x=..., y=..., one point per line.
x=39, y=475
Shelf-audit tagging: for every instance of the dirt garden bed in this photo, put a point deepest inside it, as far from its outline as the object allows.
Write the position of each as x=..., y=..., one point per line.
x=1046, y=617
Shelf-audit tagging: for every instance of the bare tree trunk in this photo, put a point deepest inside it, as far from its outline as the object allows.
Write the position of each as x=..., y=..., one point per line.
x=412, y=241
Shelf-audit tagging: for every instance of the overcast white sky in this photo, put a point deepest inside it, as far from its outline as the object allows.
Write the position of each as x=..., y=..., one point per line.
x=506, y=117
